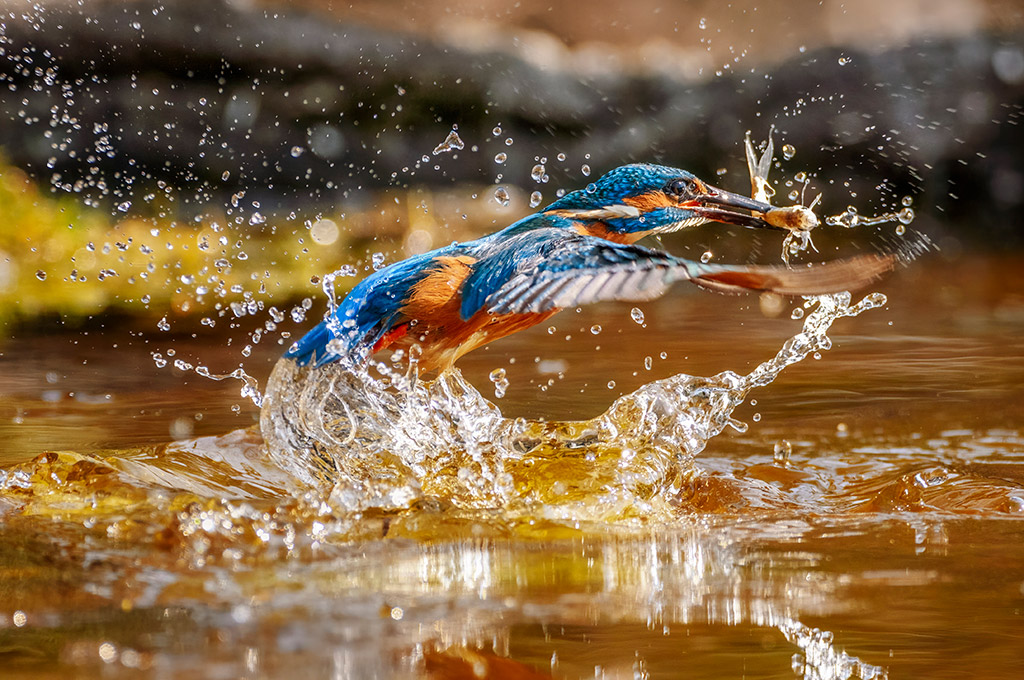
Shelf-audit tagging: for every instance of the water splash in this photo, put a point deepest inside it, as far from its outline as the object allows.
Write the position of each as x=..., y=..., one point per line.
x=381, y=438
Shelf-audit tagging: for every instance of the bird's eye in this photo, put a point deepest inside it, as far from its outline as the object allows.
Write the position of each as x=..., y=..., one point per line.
x=683, y=188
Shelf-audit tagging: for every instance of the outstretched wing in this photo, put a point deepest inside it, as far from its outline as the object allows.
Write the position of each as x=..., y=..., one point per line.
x=551, y=268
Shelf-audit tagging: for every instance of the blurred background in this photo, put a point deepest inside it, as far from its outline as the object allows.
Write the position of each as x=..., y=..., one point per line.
x=178, y=179
x=183, y=184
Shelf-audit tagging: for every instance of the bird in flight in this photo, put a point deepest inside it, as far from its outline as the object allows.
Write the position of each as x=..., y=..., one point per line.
x=580, y=249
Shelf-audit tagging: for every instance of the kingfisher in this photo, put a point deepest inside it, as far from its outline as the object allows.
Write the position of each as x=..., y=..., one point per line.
x=578, y=250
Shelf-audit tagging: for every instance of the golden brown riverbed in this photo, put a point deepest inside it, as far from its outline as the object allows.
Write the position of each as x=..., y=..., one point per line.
x=869, y=521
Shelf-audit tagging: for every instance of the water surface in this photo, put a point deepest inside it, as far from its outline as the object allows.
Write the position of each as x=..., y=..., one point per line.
x=867, y=523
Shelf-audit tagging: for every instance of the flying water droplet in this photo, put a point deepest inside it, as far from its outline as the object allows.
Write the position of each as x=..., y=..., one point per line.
x=500, y=381
x=538, y=172
x=706, y=256
x=452, y=141
x=496, y=131
x=500, y=158
x=297, y=151
x=637, y=314
x=905, y=216
x=535, y=199
x=844, y=60
x=585, y=170
x=595, y=329
x=907, y=201
x=501, y=196
x=124, y=207
x=783, y=450
x=41, y=275
x=788, y=151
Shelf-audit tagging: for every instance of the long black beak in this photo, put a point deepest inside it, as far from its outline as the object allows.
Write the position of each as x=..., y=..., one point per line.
x=720, y=205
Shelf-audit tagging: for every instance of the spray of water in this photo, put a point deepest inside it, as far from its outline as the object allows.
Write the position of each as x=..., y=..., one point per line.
x=378, y=437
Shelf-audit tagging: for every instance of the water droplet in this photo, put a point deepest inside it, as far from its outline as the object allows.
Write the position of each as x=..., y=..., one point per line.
x=788, y=151
x=535, y=199
x=793, y=195
x=225, y=175
x=41, y=275
x=844, y=60
x=585, y=169
x=297, y=151
x=496, y=131
x=800, y=176
x=706, y=256
x=500, y=158
x=377, y=261
x=500, y=381
x=591, y=188
x=798, y=313
x=637, y=314
x=611, y=384
x=163, y=325
x=452, y=141
x=508, y=141
x=756, y=417
x=501, y=196
x=783, y=450
x=905, y=216
x=907, y=201
x=560, y=157
x=125, y=206
x=702, y=24
x=595, y=329
x=648, y=363
x=538, y=172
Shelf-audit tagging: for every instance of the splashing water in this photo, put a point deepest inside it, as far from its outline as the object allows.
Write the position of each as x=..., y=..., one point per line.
x=389, y=441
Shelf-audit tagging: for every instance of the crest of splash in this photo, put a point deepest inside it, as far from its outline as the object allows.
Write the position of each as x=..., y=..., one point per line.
x=379, y=438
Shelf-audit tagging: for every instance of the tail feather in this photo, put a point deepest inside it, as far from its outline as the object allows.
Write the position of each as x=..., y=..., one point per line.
x=818, y=279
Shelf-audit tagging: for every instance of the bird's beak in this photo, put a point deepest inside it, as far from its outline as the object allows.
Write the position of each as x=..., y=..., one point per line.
x=719, y=205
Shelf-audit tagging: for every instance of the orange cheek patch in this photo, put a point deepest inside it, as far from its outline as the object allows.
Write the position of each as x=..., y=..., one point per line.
x=649, y=201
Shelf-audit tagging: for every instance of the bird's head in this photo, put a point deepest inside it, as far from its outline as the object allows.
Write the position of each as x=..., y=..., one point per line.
x=633, y=201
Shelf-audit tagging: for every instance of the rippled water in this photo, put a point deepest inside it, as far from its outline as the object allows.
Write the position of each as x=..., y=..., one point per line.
x=866, y=523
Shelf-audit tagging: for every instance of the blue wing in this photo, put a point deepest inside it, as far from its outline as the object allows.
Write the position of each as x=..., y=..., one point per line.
x=551, y=268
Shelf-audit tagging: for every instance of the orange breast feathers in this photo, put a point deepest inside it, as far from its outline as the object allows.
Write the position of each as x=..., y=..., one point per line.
x=435, y=322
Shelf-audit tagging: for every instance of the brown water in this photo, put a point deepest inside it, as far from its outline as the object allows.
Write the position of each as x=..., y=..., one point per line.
x=888, y=542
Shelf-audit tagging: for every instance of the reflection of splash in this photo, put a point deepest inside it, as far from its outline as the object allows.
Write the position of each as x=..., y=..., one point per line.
x=671, y=582
x=387, y=441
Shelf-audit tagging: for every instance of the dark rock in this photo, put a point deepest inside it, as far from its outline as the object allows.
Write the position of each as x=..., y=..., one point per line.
x=210, y=98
